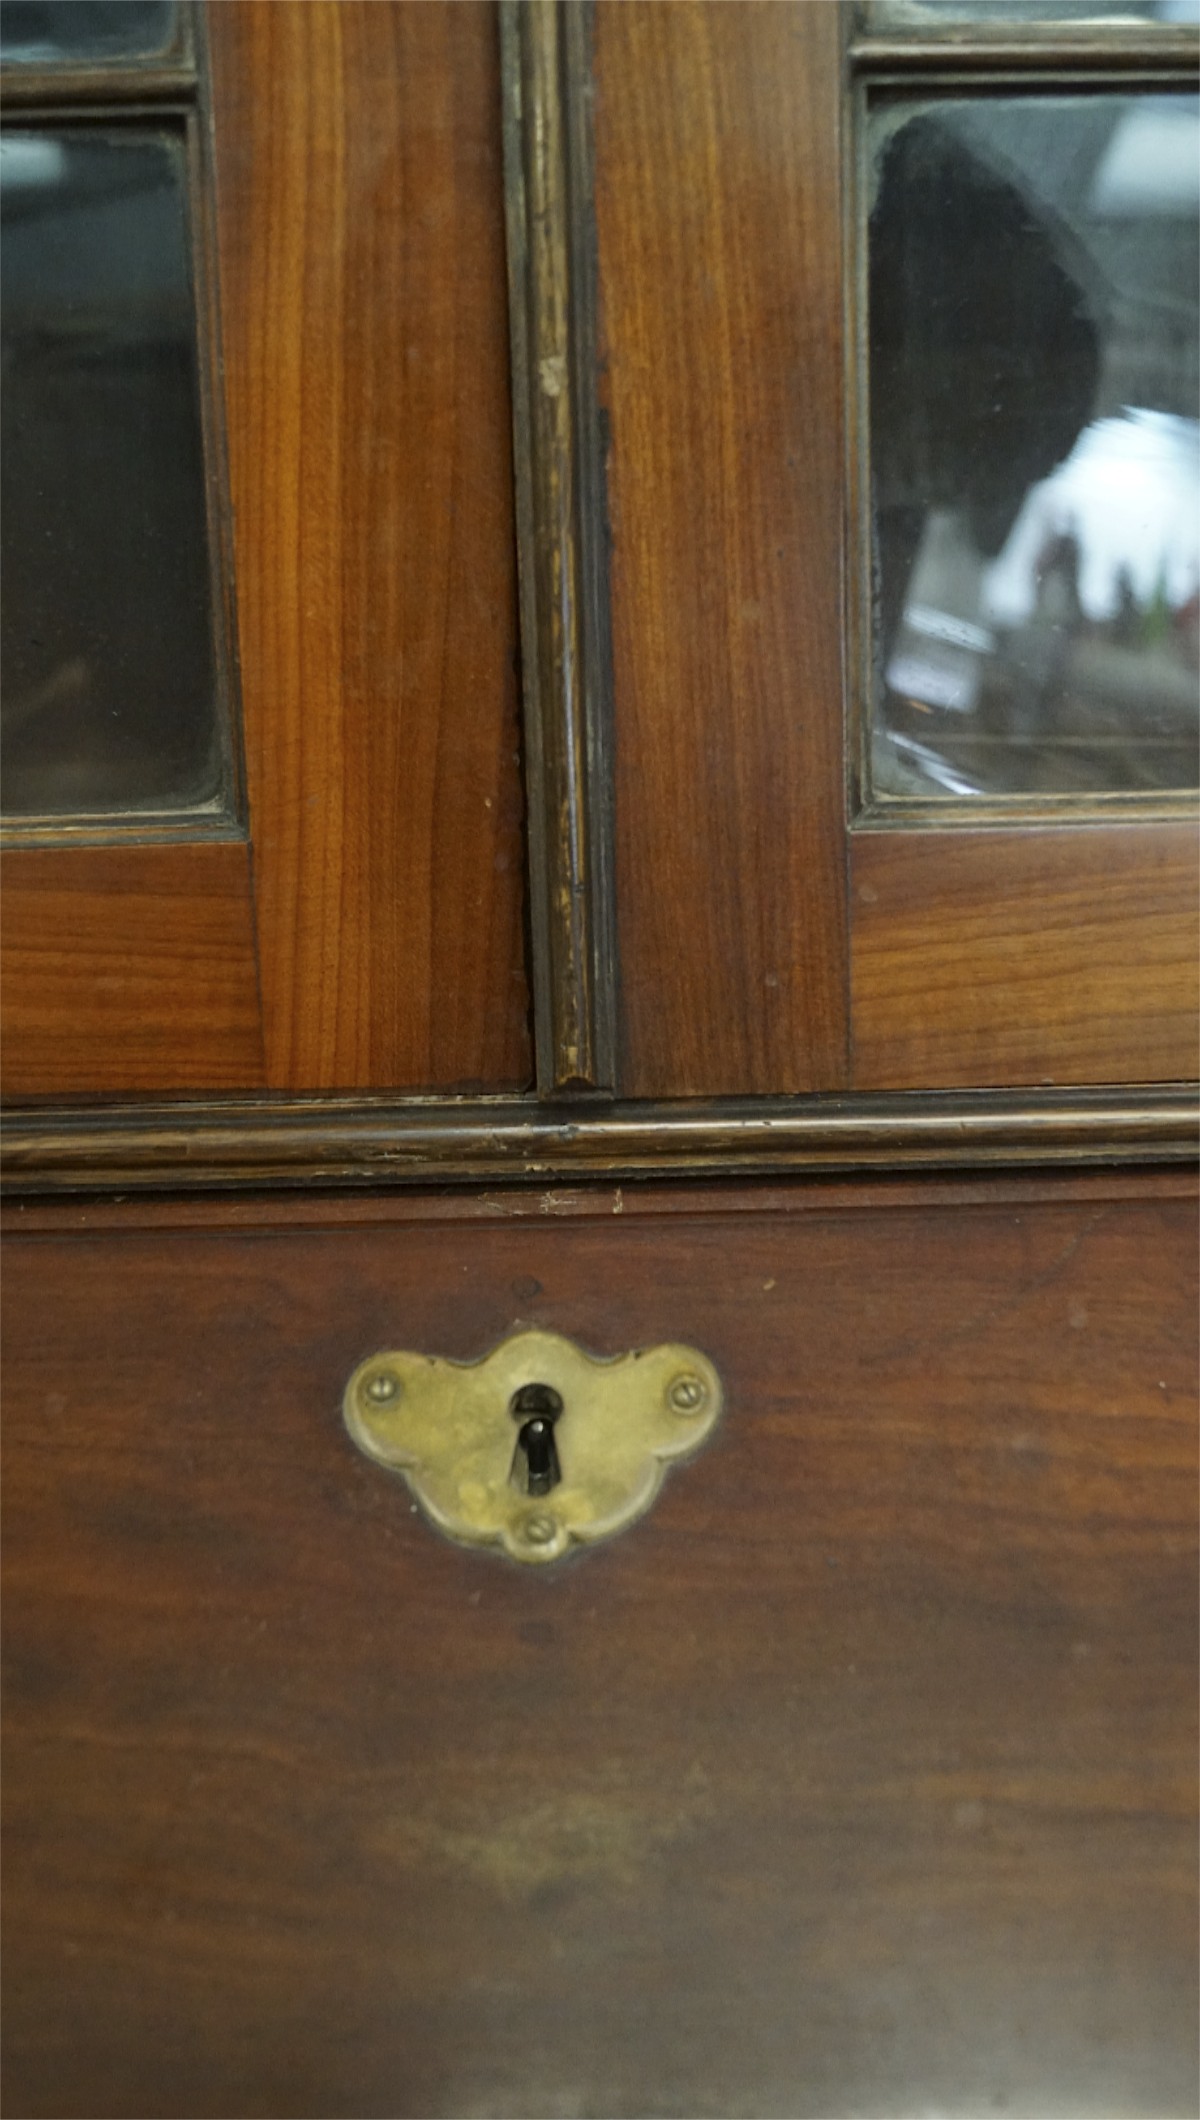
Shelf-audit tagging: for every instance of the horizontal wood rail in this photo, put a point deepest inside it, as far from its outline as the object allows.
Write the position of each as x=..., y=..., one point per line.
x=250, y=1142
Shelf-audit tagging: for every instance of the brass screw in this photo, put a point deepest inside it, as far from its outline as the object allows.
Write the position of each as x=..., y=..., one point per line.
x=381, y=1388
x=687, y=1394
x=540, y=1530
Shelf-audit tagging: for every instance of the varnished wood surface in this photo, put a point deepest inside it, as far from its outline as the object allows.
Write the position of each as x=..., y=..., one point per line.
x=717, y=178
x=362, y=282
x=856, y=1779
x=1037, y=956
x=129, y=968
x=281, y=1211
x=158, y=1146
x=557, y=445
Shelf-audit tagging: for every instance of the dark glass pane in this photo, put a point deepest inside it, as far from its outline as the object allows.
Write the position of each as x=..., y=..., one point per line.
x=926, y=15
x=1035, y=448
x=107, y=694
x=81, y=32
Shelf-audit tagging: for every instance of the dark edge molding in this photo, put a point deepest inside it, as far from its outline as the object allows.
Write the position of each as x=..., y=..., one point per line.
x=562, y=559
x=591, y=459
x=345, y=1142
x=218, y=488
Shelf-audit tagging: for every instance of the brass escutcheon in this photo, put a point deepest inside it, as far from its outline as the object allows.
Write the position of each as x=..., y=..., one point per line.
x=537, y=1446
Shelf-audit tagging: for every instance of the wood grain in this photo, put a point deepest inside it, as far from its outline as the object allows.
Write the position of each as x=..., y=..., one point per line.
x=858, y=1778
x=128, y=968
x=281, y=1211
x=1025, y=956
x=154, y=1146
x=717, y=172
x=362, y=280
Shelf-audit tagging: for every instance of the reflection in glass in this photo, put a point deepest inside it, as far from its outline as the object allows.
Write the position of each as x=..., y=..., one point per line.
x=107, y=695
x=931, y=15
x=54, y=32
x=1035, y=448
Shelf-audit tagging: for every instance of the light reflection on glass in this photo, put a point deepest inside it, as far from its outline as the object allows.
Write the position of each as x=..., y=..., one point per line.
x=932, y=15
x=108, y=693
x=1035, y=446
x=79, y=32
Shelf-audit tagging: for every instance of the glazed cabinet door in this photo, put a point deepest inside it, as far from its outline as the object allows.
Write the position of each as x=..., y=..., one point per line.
x=898, y=325
x=857, y=583
x=263, y=806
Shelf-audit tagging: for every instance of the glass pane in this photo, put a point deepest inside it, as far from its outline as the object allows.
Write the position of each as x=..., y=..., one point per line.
x=107, y=694
x=926, y=15
x=1035, y=448
x=54, y=32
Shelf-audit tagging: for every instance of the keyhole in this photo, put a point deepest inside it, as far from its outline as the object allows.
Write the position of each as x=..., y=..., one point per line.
x=535, y=1462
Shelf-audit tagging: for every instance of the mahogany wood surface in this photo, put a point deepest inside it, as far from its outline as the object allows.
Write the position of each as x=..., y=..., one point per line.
x=362, y=280
x=856, y=1779
x=129, y=968
x=1025, y=956
x=717, y=169
x=280, y=1210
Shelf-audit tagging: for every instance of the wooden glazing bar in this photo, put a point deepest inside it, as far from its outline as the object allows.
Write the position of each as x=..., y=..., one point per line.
x=1034, y=48
x=62, y=88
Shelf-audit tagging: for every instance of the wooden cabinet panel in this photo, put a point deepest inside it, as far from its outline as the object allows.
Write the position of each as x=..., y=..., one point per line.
x=856, y=1778
x=1036, y=956
x=720, y=279
x=360, y=275
x=129, y=968
x=361, y=228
